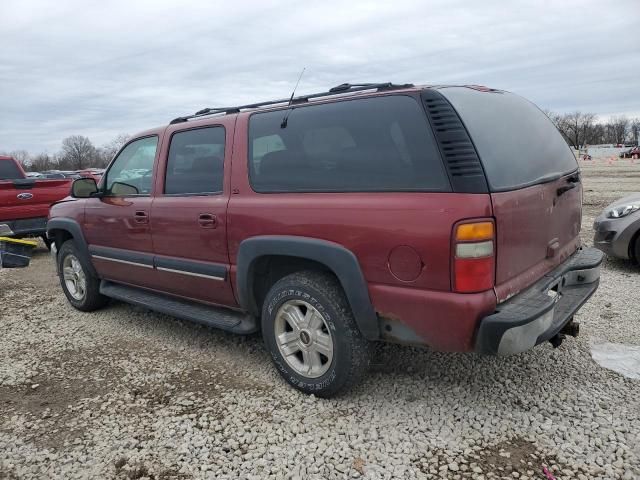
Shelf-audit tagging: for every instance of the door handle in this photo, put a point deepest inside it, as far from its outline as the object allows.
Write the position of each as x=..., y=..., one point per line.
x=141, y=217
x=207, y=220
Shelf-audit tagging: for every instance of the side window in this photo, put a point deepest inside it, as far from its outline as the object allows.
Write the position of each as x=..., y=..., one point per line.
x=263, y=145
x=325, y=140
x=131, y=173
x=195, y=163
x=365, y=145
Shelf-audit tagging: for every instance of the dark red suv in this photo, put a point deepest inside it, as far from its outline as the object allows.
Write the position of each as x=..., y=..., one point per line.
x=443, y=216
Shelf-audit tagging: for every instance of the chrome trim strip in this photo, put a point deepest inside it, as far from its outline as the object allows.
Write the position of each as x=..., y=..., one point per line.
x=202, y=275
x=100, y=257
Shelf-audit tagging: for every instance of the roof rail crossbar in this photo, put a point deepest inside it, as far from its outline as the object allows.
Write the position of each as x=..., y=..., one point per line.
x=342, y=88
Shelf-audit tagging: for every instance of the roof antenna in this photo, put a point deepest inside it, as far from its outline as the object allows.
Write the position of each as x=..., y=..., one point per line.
x=286, y=117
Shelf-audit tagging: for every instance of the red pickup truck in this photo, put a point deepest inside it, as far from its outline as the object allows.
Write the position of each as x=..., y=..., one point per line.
x=25, y=202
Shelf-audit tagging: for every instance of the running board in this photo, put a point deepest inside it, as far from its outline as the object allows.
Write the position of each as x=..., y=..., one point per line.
x=218, y=317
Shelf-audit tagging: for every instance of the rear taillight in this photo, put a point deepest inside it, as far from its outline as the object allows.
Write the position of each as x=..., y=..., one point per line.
x=473, y=256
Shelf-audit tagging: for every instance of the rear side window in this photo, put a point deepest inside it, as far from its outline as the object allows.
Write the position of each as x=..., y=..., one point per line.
x=9, y=170
x=195, y=163
x=374, y=144
x=517, y=144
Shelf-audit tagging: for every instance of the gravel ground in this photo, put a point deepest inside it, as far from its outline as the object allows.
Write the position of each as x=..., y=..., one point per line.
x=128, y=394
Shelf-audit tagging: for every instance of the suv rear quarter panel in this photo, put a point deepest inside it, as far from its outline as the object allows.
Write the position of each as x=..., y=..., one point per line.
x=372, y=225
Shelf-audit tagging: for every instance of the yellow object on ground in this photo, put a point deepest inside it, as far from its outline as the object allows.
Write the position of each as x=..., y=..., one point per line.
x=17, y=240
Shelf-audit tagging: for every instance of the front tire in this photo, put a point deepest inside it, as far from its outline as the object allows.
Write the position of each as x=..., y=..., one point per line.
x=80, y=287
x=310, y=331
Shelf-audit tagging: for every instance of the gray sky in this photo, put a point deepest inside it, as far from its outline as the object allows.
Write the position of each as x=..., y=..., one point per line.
x=100, y=68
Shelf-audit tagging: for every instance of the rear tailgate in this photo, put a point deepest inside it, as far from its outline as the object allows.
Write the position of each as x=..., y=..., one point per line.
x=534, y=182
x=536, y=231
x=28, y=198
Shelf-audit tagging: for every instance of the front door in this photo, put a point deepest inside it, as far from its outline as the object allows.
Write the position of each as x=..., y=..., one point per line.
x=189, y=214
x=117, y=225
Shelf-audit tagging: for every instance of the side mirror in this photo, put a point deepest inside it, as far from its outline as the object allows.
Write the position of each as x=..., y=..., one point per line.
x=84, y=188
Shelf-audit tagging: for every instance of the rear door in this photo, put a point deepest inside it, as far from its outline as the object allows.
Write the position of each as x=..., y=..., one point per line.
x=189, y=214
x=534, y=182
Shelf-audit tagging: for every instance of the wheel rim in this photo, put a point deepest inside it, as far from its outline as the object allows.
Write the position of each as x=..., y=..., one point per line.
x=74, y=278
x=303, y=338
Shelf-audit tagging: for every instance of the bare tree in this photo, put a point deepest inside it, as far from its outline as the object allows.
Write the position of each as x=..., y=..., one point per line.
x=558, y=120
x=22, y=157
x=596, y=135
x=619, y=127
x=635, y=130
x=77, y=152
x=576, y=127
x=109, y=150
x=42, y=162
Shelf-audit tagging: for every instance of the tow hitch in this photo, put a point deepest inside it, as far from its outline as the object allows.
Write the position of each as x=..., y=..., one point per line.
x=572, y=329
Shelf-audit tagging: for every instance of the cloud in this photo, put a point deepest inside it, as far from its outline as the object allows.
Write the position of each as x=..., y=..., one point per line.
x=103, y=68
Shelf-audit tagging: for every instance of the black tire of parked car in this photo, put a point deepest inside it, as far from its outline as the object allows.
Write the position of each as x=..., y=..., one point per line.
x=46, y=241
x=351, y=351
x=635, y=248
x=92, y=299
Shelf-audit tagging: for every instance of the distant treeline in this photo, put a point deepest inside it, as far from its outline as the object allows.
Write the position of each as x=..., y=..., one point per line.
x=580, y=129
x=76, y=153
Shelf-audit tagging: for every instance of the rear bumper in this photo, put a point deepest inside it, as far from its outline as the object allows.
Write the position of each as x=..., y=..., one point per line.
x=540, y=312
x=27, y=227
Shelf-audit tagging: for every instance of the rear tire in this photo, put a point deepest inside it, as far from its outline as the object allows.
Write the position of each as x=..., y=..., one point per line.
x=310, y=331
x=80, y=287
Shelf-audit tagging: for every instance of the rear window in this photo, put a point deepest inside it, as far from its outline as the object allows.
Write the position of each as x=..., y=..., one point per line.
x=374, y=144
x=517, y=143
x=9, y=170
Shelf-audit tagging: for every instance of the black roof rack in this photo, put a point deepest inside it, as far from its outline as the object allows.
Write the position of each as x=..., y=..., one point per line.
x=342, y=88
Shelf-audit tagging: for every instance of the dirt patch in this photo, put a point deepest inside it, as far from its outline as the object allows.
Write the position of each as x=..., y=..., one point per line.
x=51, y=399
x=72, y=382
x=522, y=456
x=498, y=461
x=67, y=379
x=516, y=456
x=135, y=471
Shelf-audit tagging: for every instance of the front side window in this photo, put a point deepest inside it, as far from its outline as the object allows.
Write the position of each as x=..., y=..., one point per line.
x=195, y=163
x=374, y=144
x=131, y=173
